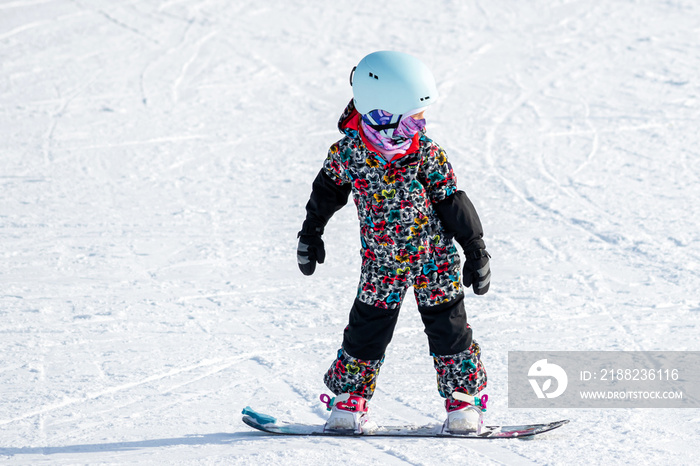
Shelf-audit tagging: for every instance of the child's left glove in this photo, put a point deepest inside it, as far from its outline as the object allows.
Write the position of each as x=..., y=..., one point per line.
x=477, y=271
x=310, y=251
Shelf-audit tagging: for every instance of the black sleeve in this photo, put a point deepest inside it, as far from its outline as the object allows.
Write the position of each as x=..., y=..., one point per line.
x=326, y=199
x=460, y=221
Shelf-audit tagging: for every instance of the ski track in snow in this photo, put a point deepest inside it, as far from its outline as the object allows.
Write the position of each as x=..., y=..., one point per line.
x=156, y=160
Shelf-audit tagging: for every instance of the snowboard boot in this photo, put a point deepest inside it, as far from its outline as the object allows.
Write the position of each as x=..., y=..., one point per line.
x=348, y=414
x=465, y=413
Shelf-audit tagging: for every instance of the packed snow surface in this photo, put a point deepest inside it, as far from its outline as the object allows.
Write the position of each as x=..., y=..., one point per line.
x=155, y=161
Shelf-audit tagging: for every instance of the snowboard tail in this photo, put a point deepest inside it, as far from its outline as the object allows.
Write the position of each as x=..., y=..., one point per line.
x=266, y=423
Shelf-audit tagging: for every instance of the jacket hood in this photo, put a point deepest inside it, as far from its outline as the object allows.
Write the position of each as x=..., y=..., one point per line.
x=345, y=121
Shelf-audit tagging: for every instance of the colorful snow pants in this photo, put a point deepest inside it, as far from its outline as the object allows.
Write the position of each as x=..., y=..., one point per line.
x=455, y=356
x=462, y=370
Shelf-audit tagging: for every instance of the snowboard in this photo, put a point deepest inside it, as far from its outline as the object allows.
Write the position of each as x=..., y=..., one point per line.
x=271, y=425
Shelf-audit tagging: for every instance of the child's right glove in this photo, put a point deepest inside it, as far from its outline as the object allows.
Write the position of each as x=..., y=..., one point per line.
x=477, y=271
x=310, y=251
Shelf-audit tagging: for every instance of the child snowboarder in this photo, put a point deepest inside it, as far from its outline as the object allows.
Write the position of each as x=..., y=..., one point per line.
x=410, y=212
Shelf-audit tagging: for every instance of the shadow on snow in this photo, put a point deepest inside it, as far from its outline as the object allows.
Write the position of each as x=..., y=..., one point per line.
x=206, y=439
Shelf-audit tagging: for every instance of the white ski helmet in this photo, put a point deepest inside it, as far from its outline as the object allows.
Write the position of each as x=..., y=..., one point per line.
x=395, y=82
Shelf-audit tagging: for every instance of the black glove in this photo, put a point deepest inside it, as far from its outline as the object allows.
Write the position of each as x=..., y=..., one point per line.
x=309, y=252
x=477, y=271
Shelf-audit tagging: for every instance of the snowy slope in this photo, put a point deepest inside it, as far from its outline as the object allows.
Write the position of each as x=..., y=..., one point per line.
x=155, y=159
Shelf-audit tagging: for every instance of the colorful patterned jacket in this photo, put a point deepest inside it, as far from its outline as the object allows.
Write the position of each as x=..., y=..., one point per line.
x=407, y=208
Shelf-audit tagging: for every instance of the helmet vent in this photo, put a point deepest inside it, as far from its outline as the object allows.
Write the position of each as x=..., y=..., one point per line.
x=425, y=98
x=372, y=75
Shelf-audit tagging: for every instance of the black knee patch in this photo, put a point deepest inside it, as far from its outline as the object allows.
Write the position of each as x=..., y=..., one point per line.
x=446, y=327
x=369, y=331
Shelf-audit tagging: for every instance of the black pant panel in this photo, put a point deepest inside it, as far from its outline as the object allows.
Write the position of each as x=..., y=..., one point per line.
x=446, y=327
x=369, y=331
